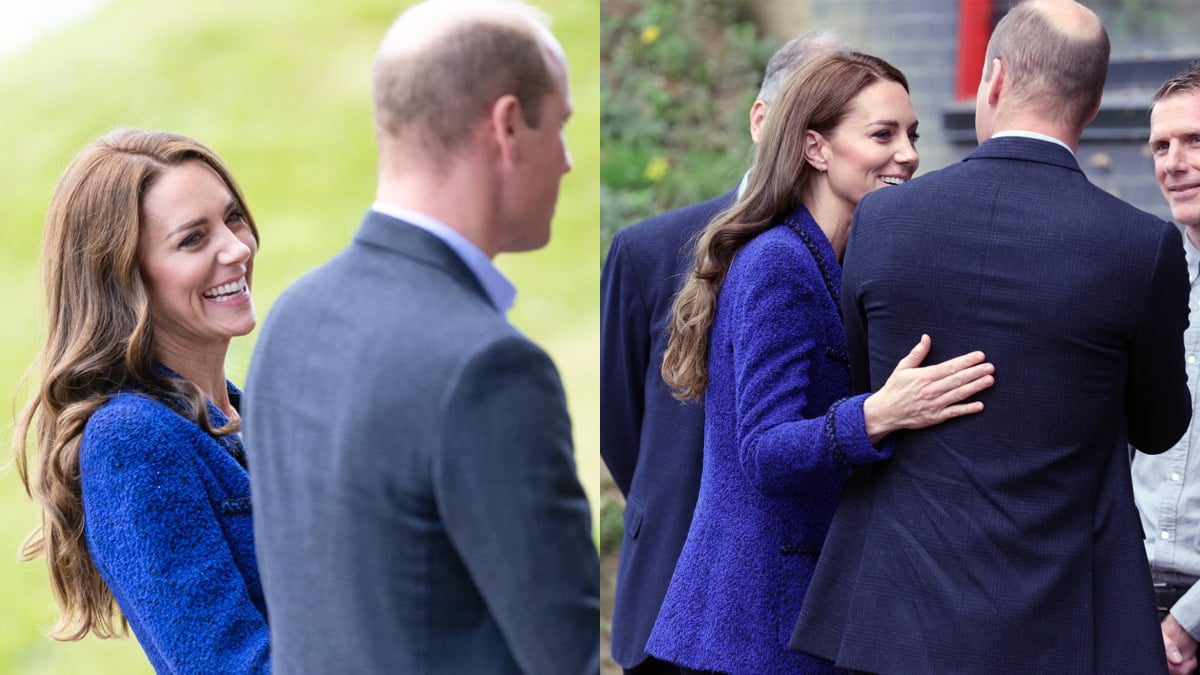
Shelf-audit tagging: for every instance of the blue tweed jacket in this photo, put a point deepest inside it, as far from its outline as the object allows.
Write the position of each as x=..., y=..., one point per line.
x=167, y=519
x=780, y=441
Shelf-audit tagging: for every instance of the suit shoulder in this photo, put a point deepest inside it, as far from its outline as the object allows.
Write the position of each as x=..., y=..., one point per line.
x=673, y=225
x=507, y=345
x=777, y=258
x=131, y=425
x=132, y=412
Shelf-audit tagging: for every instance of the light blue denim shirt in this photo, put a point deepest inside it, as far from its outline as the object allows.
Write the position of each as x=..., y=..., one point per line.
x=499, y=289
x=1167, y=486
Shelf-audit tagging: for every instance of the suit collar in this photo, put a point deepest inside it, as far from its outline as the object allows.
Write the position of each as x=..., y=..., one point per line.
x=498, y=287
x=405, y=239
x=1025, y=149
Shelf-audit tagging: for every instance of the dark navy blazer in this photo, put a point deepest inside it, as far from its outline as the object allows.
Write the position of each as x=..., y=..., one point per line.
x=651, y=443
x=1008, y=541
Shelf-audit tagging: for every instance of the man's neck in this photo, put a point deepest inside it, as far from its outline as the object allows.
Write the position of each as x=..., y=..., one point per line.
x=444, y=199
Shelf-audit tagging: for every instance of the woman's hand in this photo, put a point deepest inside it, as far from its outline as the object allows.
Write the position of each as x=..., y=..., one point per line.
x=914, y=397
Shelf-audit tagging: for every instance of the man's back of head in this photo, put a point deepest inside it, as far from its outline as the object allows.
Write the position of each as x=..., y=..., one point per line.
x=1055, y=56
x=444, y=61
x=470, y=97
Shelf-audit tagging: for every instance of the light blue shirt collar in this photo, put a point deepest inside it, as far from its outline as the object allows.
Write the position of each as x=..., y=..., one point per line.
x=499, y=289
x=1035, y=135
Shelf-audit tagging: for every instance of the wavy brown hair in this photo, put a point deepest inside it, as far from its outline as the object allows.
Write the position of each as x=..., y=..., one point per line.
x=817, y=98
x=100, y=340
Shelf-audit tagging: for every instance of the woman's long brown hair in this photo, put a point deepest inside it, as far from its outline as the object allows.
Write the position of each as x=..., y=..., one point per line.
x=817, y=98
x=99, y=341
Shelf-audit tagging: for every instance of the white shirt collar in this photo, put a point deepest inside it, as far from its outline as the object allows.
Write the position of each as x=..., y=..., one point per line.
x=1034, y=135
x=741, y=189
x=499, y=289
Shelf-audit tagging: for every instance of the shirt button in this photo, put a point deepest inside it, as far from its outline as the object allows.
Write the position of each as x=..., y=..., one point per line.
x=1165, y=535
x=1175, y=476
x=1191, y=358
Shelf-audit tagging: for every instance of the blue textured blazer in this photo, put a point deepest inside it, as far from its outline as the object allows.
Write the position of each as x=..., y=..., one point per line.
x=1008, y=541
x=651, y=442
x=780, y=440
x=415, y=488
x=167, y=518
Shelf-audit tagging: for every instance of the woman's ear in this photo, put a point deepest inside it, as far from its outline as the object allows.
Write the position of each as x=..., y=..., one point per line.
x=815, y=150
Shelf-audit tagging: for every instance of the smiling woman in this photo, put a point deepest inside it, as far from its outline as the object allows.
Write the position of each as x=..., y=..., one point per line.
x=138, y=464
x=757, y=331
x=197, y=251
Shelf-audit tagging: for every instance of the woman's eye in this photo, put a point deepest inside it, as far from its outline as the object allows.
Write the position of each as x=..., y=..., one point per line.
x=191, y=240
x=235, y=216
x=914, y=137
x=883, y=134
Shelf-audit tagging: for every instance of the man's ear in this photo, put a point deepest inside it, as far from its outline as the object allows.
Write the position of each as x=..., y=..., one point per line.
x=815, y=146
x=505, y=121
x=998, y=83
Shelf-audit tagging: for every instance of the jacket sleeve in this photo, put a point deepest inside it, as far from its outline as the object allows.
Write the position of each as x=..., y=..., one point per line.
x=1157, y=402
x=510, y=498
x=783, y=443
x=158, y=540
x=624, y=358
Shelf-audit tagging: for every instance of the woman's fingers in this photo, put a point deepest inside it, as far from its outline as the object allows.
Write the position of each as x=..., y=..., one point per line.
x=972, y=380
x=967, y=389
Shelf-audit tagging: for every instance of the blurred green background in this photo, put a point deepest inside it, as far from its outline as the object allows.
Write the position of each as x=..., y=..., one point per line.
x=279, y=88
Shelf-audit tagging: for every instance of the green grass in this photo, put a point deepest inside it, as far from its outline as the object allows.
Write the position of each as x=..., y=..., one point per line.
x=280, y=90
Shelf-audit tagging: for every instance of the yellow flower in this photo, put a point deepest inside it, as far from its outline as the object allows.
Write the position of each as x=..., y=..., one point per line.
x=650, y=34
x=657, y=169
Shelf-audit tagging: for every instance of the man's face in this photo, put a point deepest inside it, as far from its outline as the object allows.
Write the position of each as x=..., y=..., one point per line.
x=545, y=161
x=1175, y=144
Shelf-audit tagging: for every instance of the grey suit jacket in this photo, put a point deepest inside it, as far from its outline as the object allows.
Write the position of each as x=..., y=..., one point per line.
x=416, y=504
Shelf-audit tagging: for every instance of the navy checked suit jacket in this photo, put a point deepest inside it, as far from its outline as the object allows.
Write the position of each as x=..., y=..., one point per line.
x=651, y=442
x=1007, y=541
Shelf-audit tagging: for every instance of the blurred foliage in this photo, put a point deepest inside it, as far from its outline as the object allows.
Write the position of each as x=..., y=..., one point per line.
x=1141, y=29
x=612, y=513
x=677, y=82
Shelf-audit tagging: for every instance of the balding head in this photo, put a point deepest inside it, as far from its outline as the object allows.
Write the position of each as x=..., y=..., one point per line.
x=444, y=62
x=1056, y=55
